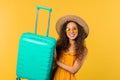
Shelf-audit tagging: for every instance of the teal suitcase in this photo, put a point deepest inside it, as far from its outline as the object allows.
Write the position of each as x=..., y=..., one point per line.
x=35, y=53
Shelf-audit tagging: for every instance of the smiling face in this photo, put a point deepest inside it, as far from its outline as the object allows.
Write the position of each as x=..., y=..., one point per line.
x=71, y=30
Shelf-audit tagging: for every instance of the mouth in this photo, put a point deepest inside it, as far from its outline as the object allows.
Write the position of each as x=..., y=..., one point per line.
x=71, y=35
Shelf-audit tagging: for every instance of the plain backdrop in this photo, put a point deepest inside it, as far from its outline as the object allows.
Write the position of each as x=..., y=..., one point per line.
x=103, y=42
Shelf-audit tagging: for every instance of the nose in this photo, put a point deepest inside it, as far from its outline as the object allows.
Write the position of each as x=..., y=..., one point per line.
x=71, y=31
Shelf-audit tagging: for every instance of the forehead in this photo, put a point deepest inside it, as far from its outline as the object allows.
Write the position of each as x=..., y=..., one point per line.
x=71, y=25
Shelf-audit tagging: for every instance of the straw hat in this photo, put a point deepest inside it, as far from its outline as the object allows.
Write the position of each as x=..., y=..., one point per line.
x=74, y=18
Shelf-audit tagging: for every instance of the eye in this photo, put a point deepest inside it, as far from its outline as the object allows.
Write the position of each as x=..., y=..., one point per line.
x=67, y=29
x=74, y=28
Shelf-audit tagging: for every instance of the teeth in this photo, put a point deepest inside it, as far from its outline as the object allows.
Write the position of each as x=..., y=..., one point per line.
x=72, y=35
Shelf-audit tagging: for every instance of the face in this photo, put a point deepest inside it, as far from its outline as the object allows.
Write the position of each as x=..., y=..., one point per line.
x=71, y=30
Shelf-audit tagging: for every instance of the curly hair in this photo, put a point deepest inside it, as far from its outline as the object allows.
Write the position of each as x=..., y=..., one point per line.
x=63, y=41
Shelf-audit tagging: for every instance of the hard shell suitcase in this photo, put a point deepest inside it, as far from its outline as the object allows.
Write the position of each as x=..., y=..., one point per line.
x=35, y=53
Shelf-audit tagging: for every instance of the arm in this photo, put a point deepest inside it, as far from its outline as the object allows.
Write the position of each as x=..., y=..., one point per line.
x=55, y=59
x=76, y=66
x=55, y=55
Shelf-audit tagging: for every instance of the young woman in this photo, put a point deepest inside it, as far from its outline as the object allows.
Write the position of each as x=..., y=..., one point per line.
x=71, y=50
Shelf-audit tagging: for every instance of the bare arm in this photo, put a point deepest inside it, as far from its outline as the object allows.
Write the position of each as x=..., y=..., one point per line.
x=76, y=66
x=55, y=55
x=55, y=59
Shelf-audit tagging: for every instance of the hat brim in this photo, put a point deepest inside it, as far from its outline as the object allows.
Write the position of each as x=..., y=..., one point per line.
x=74, y=18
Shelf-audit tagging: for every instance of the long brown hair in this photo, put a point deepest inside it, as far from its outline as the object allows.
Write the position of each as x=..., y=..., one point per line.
x=63, y=41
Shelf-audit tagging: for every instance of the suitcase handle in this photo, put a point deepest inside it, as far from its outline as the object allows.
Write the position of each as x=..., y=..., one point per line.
x=45, y=8
x=36, y=24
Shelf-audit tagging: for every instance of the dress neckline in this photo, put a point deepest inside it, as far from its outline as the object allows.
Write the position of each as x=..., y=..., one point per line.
x=69, y=53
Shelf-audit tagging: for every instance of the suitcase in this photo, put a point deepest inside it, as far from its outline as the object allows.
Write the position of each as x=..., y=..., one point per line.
x=35, y=53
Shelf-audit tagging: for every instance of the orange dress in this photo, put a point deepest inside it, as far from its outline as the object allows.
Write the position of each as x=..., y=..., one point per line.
x=68, y=59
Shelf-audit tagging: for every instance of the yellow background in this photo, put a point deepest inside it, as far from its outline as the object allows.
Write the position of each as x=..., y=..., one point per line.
x=102, y=16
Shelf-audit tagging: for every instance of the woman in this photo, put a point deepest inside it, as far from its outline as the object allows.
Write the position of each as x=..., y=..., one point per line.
x=71, y=50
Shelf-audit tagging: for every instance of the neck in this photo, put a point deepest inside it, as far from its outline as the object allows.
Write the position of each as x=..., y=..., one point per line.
x=72, y=46
x=71, y=42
